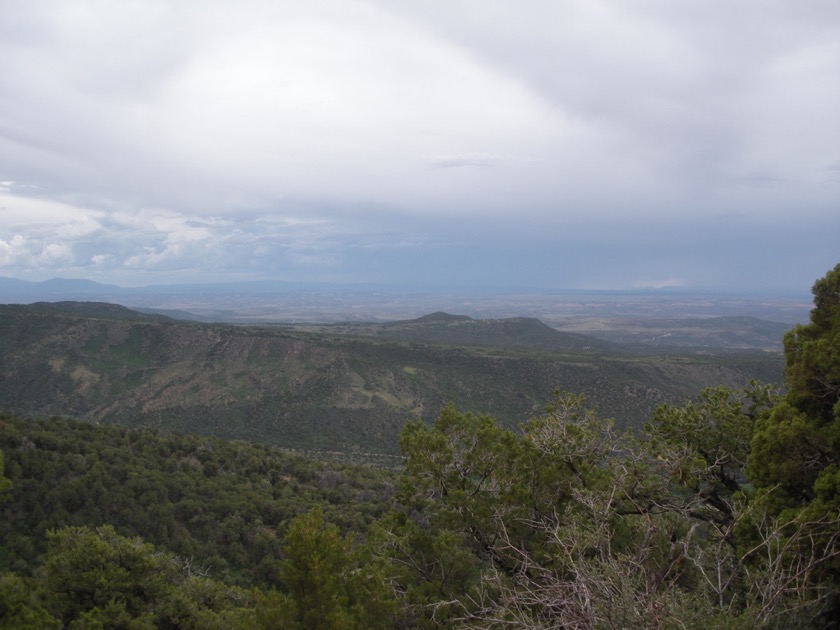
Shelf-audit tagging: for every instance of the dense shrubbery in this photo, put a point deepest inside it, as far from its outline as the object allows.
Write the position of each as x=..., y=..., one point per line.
x=224, y=504
x=723, y=512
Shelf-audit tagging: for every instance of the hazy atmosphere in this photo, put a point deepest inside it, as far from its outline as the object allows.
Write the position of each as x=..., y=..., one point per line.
x=579, y=144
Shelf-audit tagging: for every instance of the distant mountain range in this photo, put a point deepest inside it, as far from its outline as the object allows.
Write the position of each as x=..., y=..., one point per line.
x=11, y=288
x=346, y=387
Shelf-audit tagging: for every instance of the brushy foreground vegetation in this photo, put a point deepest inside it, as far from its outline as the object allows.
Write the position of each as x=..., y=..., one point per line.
x=722, y=512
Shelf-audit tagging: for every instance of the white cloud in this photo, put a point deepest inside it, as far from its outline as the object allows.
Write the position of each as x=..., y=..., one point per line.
x=13, y=250
x=55, y=254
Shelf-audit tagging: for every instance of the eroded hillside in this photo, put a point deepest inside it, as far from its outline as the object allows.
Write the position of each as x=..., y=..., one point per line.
x=314, y=389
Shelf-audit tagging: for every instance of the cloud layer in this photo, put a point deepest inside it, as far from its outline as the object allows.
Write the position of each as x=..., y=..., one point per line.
x=579, y=143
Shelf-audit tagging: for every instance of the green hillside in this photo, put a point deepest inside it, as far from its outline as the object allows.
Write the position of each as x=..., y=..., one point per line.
x=513, y=332
x=344, y=388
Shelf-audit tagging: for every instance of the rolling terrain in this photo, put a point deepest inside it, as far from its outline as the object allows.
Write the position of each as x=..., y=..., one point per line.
x=337, y=388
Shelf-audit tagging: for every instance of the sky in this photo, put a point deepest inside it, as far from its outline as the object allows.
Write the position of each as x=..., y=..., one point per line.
x=604, y=144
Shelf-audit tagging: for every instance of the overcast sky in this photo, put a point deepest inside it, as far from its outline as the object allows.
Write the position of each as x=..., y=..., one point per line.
x=532, y=143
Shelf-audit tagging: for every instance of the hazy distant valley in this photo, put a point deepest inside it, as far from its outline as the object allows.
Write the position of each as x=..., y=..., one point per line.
x=653, y=317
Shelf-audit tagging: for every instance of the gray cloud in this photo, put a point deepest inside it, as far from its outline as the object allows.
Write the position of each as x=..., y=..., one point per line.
x=371, y=139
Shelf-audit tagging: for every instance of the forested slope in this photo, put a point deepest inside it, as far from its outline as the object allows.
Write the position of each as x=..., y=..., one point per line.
x=222, y=504
x=326, y=391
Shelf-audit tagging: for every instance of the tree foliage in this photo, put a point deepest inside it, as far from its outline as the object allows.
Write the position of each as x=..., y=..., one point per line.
x=95, y=578
x=796, y=449
x=5, y=484
x=223, y=504
x=569, y=523
x=327, y=586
